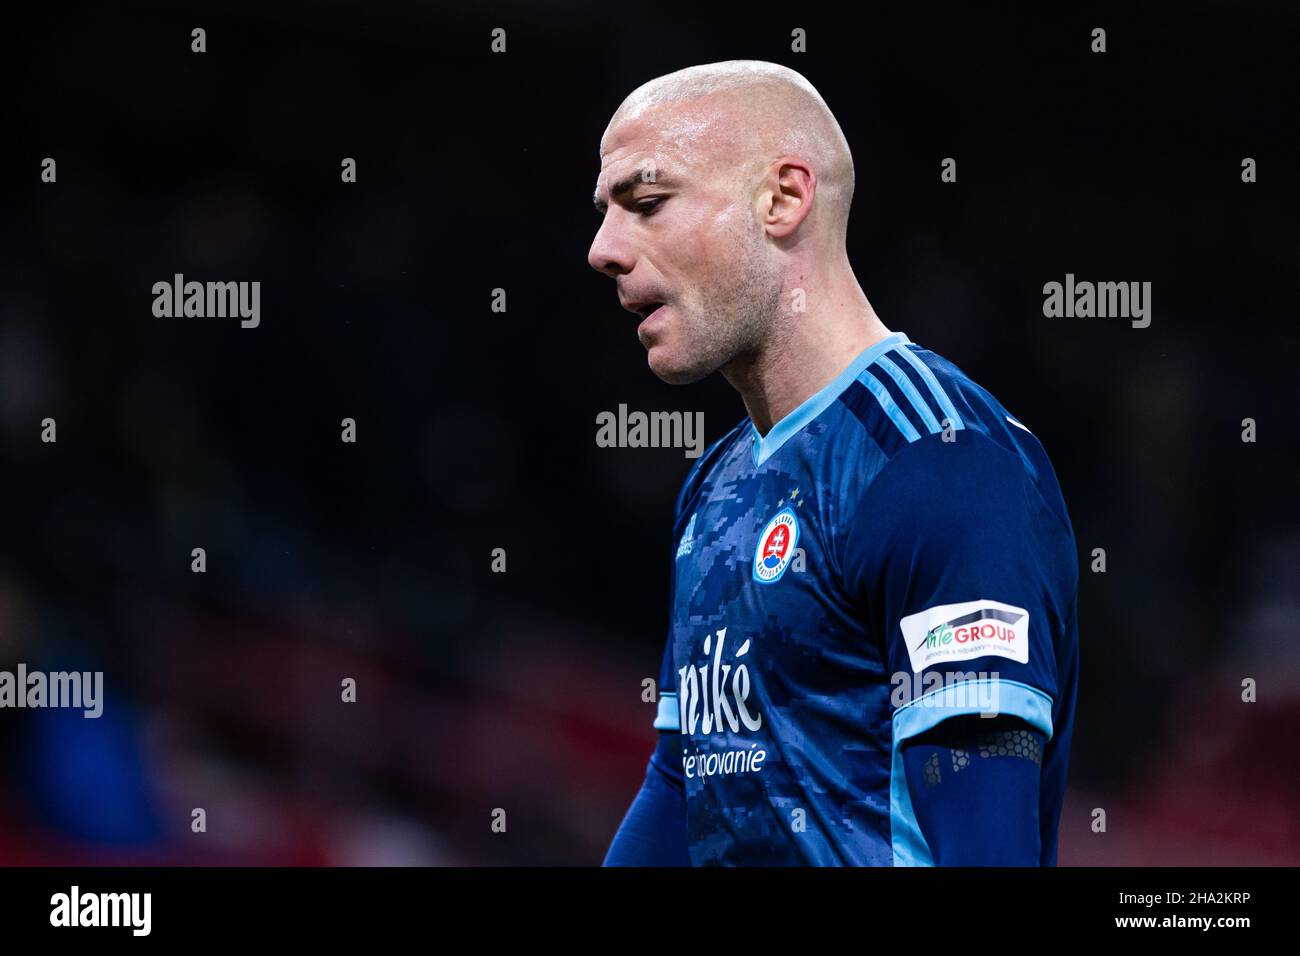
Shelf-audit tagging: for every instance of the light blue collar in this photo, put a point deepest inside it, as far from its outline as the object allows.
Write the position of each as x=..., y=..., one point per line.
x=765, y=446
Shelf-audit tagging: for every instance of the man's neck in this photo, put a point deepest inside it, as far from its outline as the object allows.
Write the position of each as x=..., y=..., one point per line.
x=803, y=359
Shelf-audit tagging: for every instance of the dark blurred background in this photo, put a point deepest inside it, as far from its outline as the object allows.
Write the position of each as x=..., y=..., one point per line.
x=476, y=429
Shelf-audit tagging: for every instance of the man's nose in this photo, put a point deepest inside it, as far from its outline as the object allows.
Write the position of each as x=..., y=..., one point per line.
x=610, y=252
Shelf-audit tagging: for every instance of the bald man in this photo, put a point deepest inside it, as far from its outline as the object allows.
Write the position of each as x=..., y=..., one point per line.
x=873, y=648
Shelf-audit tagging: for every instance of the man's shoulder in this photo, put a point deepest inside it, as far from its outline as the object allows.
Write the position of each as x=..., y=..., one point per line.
x=932, y=424
x=979, y=490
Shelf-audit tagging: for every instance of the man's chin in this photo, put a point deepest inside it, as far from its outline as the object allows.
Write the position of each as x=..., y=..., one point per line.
x=672, y=369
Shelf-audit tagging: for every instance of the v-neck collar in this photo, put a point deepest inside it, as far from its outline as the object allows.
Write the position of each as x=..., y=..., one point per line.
x=765, y=446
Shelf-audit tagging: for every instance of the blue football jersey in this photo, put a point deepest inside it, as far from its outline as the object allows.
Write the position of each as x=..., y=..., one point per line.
x=894, y=552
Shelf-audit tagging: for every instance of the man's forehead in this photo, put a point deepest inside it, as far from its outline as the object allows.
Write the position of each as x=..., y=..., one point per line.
x=624, y=166
x=649, y=163
x=667, y=136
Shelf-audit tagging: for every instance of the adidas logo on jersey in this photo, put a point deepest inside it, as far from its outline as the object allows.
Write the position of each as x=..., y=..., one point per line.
x=688, y=539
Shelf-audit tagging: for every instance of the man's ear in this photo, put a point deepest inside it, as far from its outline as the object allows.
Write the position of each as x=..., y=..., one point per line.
x=786, y=197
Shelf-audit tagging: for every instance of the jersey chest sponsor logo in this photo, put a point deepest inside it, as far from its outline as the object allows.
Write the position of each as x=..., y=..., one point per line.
x=714, y=699
x=707, y=692
x=776, y=547
x=956, y=632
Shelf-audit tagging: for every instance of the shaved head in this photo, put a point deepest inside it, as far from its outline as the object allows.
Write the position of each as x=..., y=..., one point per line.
x=743, y=114
x=724, y=190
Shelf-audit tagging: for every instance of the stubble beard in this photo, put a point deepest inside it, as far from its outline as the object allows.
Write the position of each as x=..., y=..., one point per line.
x=733, y=320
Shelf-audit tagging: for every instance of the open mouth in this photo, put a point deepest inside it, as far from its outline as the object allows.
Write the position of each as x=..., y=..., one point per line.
x=649, y=309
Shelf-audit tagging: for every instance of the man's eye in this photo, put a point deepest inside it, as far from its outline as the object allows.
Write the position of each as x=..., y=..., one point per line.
x=648, y=206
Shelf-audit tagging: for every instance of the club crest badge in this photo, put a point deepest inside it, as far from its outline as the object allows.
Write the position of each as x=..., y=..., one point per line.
x=776, y=547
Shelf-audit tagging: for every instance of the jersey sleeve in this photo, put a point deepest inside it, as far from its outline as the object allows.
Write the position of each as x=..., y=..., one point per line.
x=961, y=568
x=653, y=831
x=953, y=551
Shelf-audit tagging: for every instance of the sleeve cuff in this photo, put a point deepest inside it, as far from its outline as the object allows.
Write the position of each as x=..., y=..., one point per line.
x=667, y=718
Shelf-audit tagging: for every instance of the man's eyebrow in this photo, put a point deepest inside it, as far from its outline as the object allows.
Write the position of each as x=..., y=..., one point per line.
x=626, y=185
